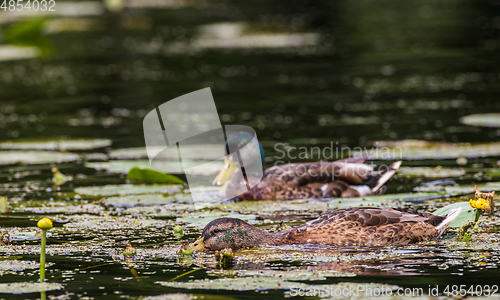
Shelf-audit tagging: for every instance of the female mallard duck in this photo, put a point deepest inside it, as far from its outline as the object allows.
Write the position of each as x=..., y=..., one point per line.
x=342, y=178
x=348, y=226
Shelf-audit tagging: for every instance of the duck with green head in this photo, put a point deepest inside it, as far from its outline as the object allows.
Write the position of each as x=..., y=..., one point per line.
x=342, y=178
x=349, y=226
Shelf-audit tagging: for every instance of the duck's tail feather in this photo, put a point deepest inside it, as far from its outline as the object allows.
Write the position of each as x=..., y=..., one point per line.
x=382, y=180
x=441, y=227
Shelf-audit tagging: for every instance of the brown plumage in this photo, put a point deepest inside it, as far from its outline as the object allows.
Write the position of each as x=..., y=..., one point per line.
x=343, y=178
x=349, y=226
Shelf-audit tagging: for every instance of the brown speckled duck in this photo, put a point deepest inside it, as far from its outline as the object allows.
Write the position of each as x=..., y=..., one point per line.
x=342, y=178
x=349, y=226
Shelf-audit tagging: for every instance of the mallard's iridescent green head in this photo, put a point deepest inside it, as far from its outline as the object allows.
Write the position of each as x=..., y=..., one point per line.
x=230, y=233
x=231, y=162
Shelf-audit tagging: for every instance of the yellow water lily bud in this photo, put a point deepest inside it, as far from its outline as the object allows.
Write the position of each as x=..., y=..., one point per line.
x=44, y=223
x=480, y=204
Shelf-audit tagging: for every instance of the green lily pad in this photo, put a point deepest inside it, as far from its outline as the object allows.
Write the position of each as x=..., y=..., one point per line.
x=17, y=265
x=420, y=150
x=127, y=189
x=290, y=275
x=19, y=235
x=66, y=209
x=276, y=206
x=199, y=220
x=482, y=120
x=178, y=296
x=151, y=176
x=437, y=172
x=253, y=283
x=28, y=287
x=456, y=190
x=60, y=145
x=146, y=200
x=190, y=152
x=35, y=157
x=99, y=223
x=171, y=167
x=262, y=283
x=388, y=199
x=467, y=214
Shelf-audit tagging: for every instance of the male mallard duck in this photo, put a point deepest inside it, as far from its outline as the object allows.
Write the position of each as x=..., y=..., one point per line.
x=342, y=178
x=348, y=226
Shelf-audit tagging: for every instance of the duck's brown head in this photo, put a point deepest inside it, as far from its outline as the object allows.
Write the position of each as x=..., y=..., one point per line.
x=230, y=233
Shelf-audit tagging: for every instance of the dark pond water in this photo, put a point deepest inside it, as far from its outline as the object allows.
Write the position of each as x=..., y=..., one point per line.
x=304, y=73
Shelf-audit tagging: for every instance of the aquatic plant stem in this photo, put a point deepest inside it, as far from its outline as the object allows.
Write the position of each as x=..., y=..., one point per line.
x=42, y=255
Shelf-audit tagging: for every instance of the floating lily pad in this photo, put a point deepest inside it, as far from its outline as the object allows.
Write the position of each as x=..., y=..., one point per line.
x=190, y=152
x=61, y=145
x=437, y=172
x=127, y=189
x=253, y=283
x=419, y=150
x=145, y=200
x=199, y=220
x=483, y=120
x=35, y=157
x=388, y=199
x=276, y=206
x=177, y=296
x=151, y=176
x=291, y=275
x=171, y=167
x=456, y=190
x=17, y=265
x=99, y=223
x=67, y=209
x=467, y=214
x=263, y=283
x=28, y=287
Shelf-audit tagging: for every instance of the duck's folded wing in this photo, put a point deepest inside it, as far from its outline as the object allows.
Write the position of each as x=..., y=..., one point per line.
x=301, y=174
x=374, y=217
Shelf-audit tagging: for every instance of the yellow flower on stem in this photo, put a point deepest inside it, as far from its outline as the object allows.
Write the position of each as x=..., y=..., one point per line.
x=44, y=224
x=480, y=204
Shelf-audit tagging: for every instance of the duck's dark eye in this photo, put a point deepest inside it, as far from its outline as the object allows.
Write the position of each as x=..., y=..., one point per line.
x=217, y=230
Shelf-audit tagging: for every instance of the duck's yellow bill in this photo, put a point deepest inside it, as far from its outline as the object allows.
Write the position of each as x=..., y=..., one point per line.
x=226, y=173
x=199, y=245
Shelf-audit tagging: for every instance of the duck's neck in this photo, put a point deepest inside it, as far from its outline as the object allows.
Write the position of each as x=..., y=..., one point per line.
x=259, y=237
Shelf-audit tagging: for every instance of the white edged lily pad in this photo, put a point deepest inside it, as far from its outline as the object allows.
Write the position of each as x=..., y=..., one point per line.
x=29, y=287
x=190, y=152
x=35, y=157
x=170, y=167
x=482, y=120
x=60, y=145
x=437, y=172
x=468, y=214
x=420, y=150
x=127, y=189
